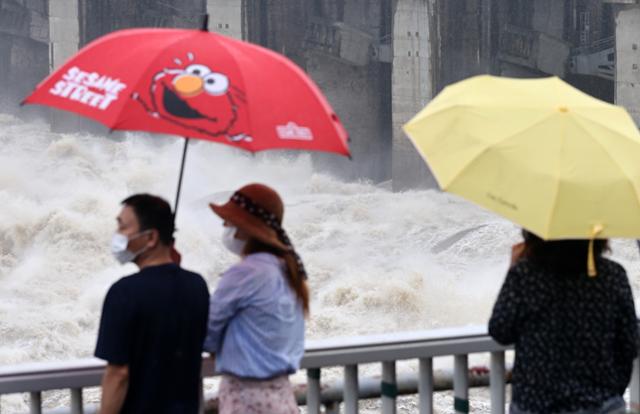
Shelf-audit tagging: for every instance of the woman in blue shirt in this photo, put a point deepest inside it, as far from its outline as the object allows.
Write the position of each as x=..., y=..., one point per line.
x=256, y=314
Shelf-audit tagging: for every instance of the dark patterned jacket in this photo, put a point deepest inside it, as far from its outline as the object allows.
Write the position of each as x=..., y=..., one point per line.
x=575, y=336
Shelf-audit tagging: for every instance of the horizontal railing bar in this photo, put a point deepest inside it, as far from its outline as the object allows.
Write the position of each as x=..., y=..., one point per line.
x=51, y=367
x=371, y=354
x=323, y=353
x=422, y=345
x=396, y=338
x=51, y=381
x=87, y=409
x=14, y=380
x=82, y=373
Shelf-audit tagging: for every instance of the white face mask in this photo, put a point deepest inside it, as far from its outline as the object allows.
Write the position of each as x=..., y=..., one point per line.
x=229, y=240
x=119, y=243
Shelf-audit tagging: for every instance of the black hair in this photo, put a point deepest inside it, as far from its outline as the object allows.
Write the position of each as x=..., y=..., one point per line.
x=562, y=256
x=153, y=213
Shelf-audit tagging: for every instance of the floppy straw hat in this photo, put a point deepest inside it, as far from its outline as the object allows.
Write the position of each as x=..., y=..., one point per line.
x=257, y=210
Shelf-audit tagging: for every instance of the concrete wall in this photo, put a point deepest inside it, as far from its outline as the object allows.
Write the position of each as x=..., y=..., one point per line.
x=412, y=87
x=64, y=30
x=436, y=43
x=462, y=44
x=99, y=17
x=553, y=51
x=355, y=96
x=548, y=17
x=427, y=44
x=225, y=17
x=74, y=23
x=333, y=41
x=65, y=22
x=283, y=27
x=627, y=80
x=24, y=51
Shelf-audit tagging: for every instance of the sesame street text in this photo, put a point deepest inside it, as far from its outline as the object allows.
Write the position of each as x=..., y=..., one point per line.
x=89, y=88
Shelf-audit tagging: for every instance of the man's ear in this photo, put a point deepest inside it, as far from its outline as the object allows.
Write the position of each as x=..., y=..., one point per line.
x=154, y=238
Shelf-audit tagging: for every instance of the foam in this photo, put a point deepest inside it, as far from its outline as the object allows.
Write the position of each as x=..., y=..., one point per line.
x=378, y=261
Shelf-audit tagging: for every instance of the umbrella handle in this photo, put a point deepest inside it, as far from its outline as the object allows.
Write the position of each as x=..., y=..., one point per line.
x=591, y=261
x=184, y=157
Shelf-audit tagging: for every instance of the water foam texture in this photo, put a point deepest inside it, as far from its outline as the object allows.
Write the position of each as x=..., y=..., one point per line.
x=378, y=261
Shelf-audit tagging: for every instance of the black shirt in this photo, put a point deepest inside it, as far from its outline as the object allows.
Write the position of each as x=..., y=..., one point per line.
x=155, y=322
x=575, y=336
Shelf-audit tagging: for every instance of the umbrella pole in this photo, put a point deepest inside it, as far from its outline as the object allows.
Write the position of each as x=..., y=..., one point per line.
x=184, y=157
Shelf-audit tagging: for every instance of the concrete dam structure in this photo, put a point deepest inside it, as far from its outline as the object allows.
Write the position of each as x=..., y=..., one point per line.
x=377, y=61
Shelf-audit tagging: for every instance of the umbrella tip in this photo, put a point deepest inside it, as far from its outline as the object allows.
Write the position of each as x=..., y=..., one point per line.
x=205, y=23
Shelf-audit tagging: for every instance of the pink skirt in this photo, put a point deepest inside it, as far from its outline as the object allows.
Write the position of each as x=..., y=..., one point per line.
x=240, y=396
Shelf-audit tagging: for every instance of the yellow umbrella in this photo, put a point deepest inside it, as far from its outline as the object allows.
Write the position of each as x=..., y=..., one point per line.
x=539, y=152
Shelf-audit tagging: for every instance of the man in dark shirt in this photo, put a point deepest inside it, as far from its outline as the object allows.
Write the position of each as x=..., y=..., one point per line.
x=153, y=322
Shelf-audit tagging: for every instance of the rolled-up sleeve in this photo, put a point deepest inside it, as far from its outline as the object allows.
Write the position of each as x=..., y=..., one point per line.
x=230, y=295
x=503, y=325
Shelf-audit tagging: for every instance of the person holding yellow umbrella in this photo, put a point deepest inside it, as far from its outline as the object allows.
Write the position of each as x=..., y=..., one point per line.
x=564, y=166
x=575, y=336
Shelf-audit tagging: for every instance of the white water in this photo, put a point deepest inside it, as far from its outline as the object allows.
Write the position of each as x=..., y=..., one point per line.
x=377, y=261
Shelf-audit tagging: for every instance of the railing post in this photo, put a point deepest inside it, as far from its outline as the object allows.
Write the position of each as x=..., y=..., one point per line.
x=313, y=390
x=351, y=389
x=35, y=402
x=389, y=387
x=332, y=408
x=201, y=402
x=461, y=384
x=425, y=386
x=76, y=401
x=634, y=388
x=496, y=382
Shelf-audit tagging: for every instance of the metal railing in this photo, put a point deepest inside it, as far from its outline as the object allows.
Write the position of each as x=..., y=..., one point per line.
x=599, y=45
x=387, y=349
x=422, y=346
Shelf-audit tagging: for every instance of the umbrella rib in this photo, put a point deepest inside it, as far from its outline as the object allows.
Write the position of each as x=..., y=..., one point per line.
x=481, y=152
x=418, y=118
x=620, y=167
x=558, y=182
x=584, y=118
x=241, y=76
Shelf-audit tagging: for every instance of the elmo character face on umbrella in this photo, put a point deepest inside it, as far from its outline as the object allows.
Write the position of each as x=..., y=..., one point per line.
x=196, y=97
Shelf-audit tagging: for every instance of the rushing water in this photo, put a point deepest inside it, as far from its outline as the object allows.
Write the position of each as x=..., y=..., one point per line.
x=378, y=261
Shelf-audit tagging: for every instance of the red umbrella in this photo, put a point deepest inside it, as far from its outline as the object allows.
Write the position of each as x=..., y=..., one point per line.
x=195, y=84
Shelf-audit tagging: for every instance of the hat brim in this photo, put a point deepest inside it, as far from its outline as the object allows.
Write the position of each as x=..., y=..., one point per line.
x=248, y=223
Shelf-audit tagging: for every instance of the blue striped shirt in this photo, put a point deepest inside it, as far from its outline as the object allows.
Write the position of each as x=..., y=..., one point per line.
x=256, y=322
